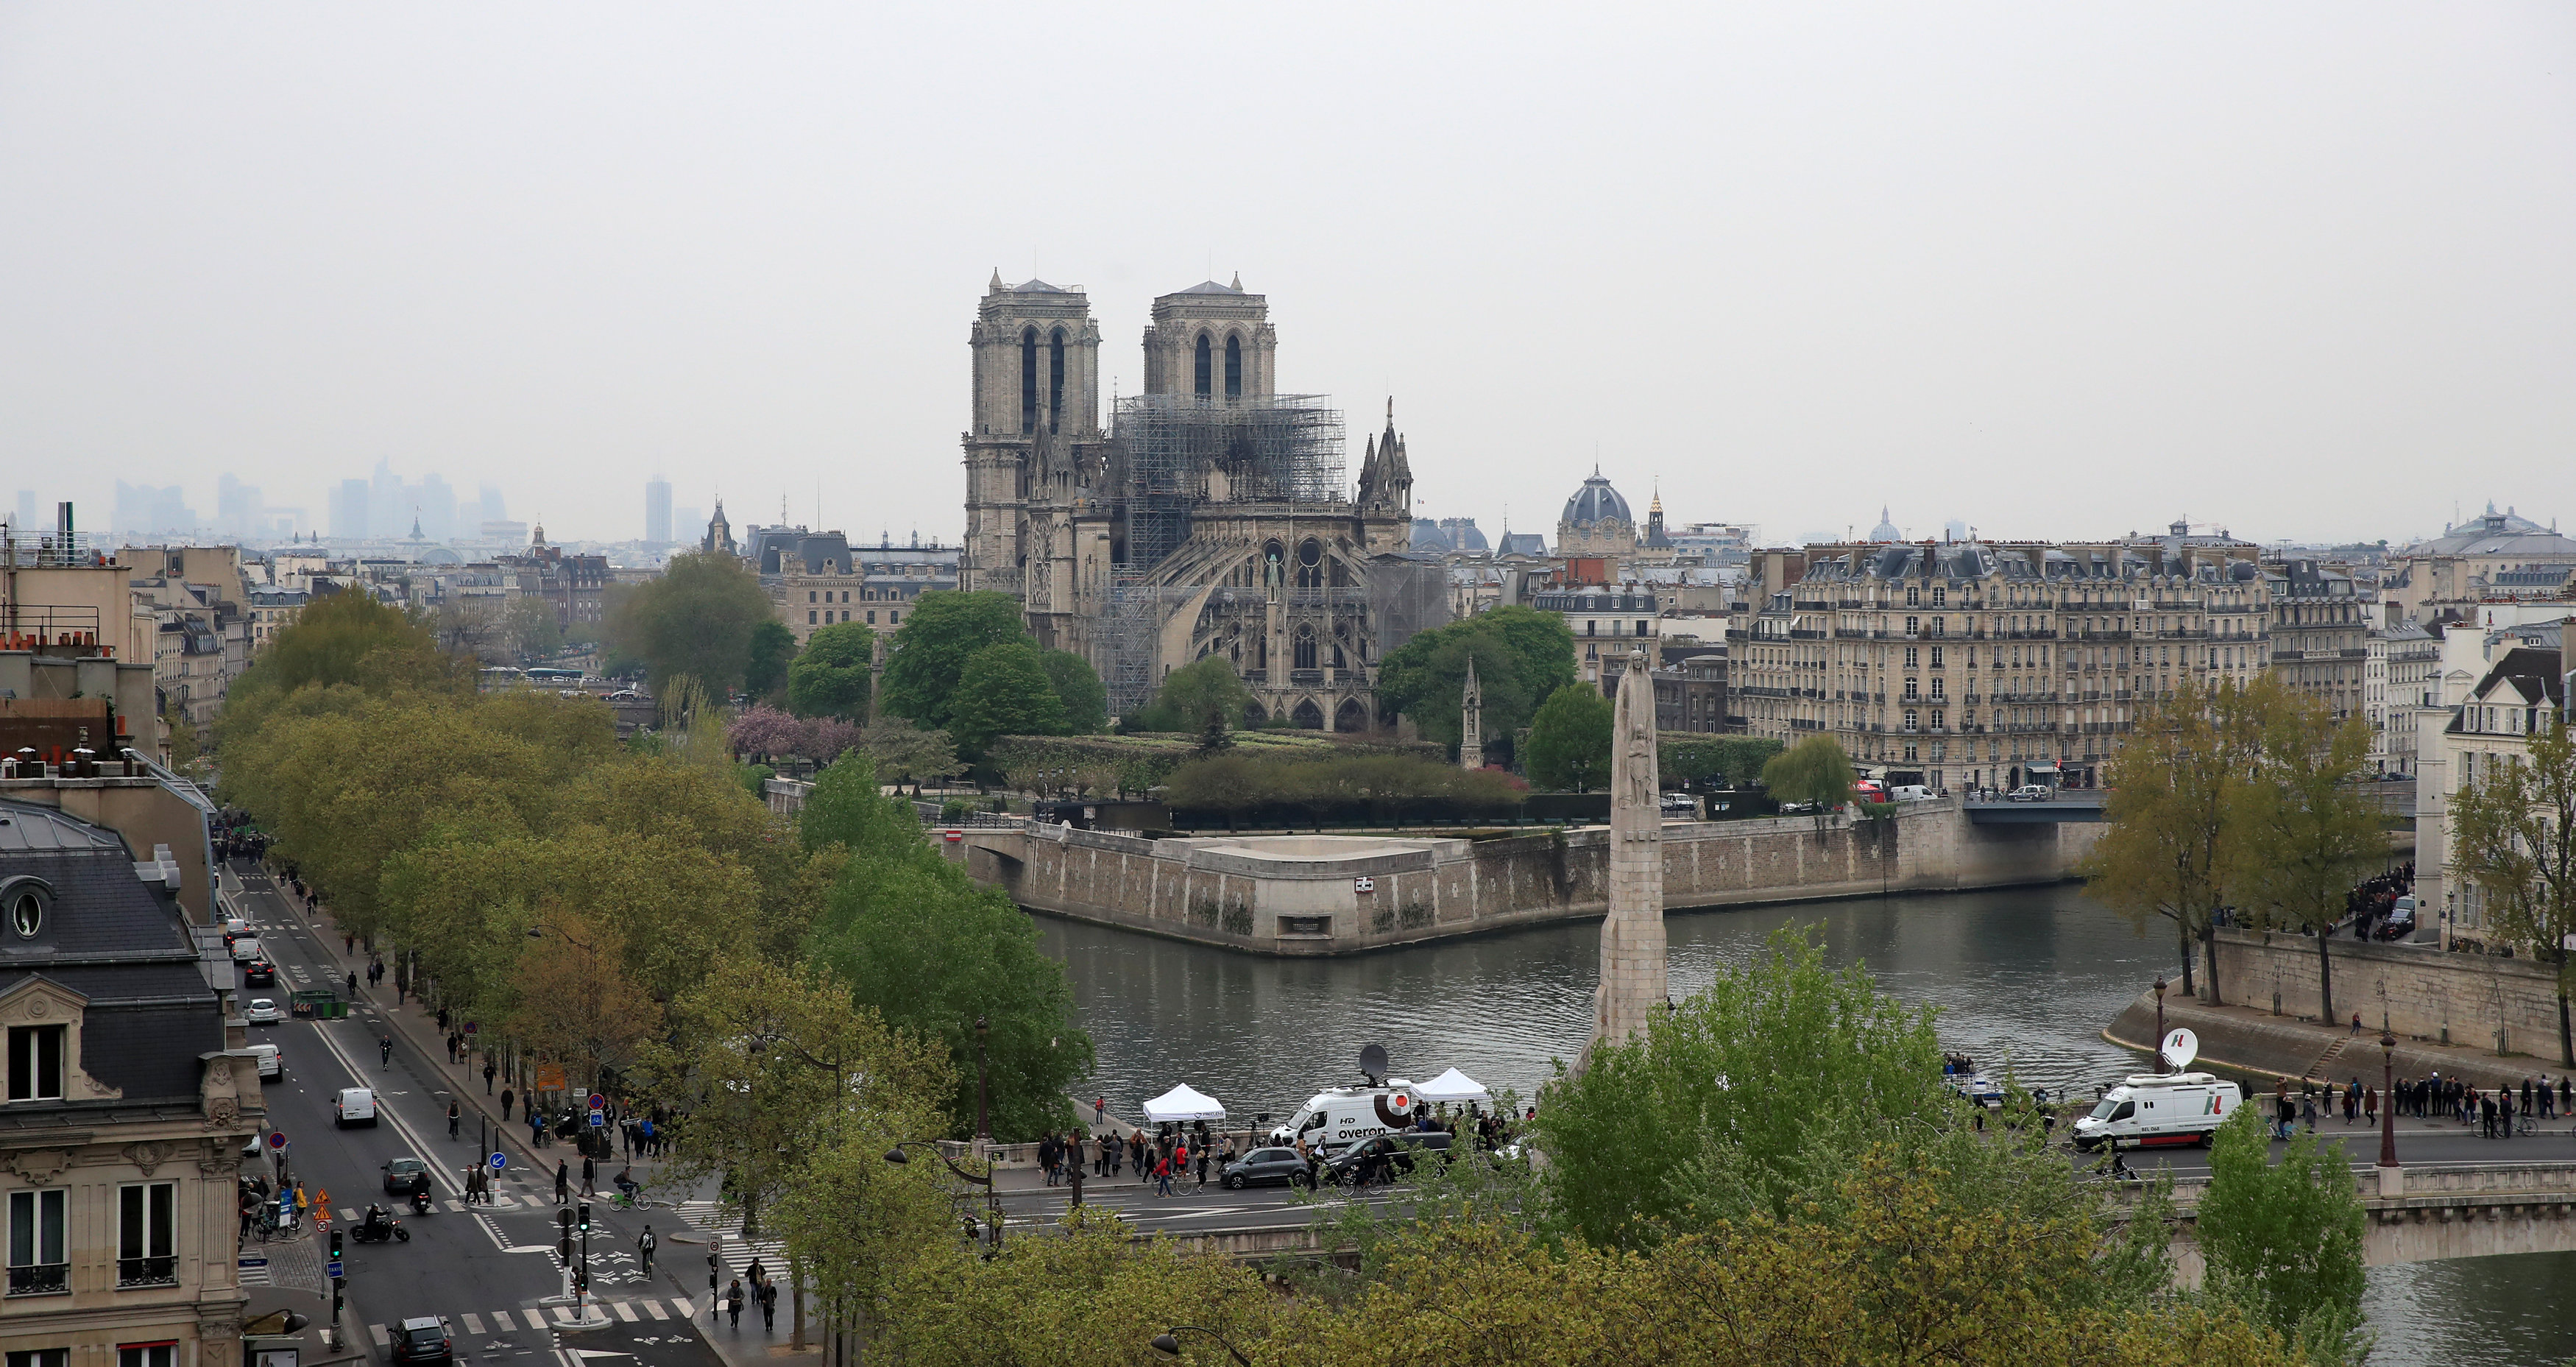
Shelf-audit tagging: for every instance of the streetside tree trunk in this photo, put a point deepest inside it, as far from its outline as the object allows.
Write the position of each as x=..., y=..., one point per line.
x=2325, y=978
x=2182, y=932
x=2209, y=942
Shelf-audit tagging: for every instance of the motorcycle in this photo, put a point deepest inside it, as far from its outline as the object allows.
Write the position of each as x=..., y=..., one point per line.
x=420, y=1203
x=369, y=1232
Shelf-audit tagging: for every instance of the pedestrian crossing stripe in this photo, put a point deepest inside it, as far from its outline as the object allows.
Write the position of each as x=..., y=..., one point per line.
x=473, y=1323
x=654, y=1308
x=630, y=1311
x=626, y=1311
x=377, y=1332
x=502, y=1318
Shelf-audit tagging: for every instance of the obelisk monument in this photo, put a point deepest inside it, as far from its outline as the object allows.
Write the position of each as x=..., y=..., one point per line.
x=1632, y=935
x=1471, y=725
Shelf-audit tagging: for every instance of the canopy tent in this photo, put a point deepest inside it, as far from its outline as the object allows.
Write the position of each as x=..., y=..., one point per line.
x=1452, y=1086
x=1183, y=1103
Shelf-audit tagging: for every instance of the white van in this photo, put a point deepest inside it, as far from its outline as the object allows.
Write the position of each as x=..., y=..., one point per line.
x=353, y=1106
x=246, y=949
x=1339, y=1117
x=2156, y=1109
x=270, y=1063
x=1909, y=792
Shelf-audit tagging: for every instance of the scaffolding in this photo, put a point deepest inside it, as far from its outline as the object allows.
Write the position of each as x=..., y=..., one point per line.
x=1129, y=636
x=1175, y=452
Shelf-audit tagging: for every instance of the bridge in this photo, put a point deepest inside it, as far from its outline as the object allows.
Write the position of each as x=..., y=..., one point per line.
x=2069, y=805
x=2464, y=1210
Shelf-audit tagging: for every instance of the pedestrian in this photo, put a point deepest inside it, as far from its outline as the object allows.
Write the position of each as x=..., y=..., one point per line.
x=348, y=944
x=1203, y=1165
x=1100, y=1110
x=506, y=1096
x=589, y=1176
x=454, y=1114
x=1162, y=1176
x=2356, y=1022
x=644, y=1244
x=353, y=986
x=385, y=1052
x=733, y=1302
x=490, y=1068
x=768, y=1305
x=2370, y=1105
x=563, y=1182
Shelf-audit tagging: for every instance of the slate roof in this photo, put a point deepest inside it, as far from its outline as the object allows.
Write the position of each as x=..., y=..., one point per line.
x=1209, y=287
x=1595, y=501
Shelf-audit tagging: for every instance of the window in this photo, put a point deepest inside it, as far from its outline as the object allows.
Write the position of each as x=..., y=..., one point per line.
x=1641, y=628
x=35, y=1062
x=146, y=1235
x=1028, y=379
x=872, y=619
x=1913, y=596
x=1913, y=626
x=147, y=1355
x=37, y=1261
x=42, y=1357
x=893, y=617
x=1936, y=725
x=1234, y=367
x=1913, y=689
x=1206, y=381
x=1936, y=657
x=1592, y=628
x=809, y=595
x=1055, y=381
x=1940, y=596
x=1913, y=654
x=809, y=619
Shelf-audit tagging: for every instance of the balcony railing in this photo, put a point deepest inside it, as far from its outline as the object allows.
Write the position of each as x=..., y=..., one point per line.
x=163, y=1271
x=40, y=1279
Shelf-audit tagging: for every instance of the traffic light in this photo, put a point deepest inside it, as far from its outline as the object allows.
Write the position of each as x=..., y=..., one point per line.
x=338, y=1303
x=335, y=1245
x=585, y=1217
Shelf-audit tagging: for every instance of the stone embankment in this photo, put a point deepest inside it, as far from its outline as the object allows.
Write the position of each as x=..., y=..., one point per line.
x=1336, y=894
x=2252, y=1040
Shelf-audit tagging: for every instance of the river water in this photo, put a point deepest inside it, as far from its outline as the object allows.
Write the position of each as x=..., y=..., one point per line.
x=2022, y=979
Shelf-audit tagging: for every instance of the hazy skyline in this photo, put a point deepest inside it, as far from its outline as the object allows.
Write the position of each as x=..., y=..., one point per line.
x=2302, y=271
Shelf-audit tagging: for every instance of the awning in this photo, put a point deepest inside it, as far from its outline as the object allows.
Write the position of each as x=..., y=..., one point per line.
x=1183, y=1103
x=1452, y=1086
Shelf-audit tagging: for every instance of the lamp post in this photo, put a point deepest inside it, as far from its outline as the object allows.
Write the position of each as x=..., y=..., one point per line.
x=2160, y=1022
x=2389, y=1171
x=983, y=1127
x=992, y=1200
x=1168, y=1343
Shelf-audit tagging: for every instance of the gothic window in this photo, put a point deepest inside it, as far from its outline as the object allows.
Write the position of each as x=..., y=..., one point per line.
x=1310, y=564
x=1234, y=367
x=1055, y=380
x=1306, y=648
x=1206, y=380
x=1028, y=382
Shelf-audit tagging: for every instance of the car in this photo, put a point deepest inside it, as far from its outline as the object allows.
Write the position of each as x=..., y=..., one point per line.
x=264, y=1011
x=271, y=1064
x=1387, y=1155
x=246, y=949
x=2028, y=792
x=353, y=1106
x=1910, y=792
x=259, y=973
x=1263, y=1166
x=235, y=928
x=403, y=1173
x=423, y=1340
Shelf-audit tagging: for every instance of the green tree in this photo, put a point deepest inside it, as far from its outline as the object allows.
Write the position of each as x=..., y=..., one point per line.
x=1522, y=657
x=2285, y=1239
x=1078, y=687
x=1569, y=741
x=905, y=753
x=2513, y=836
x=1005, y=692
x=1198, y=694
x=1816, y=772
x=341, y=639
x=1711, y=1113
x=929, y=651
x=2170, y=848
x=2304, y=830
x=697, y=619
x=830, y=679
x=1687, y=758
x=773, y=647
x=534, y=631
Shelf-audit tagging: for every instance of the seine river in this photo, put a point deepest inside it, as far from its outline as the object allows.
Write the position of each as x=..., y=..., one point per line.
x=2022, y=979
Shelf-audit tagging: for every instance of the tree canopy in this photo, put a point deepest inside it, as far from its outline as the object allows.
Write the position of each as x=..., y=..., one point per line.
x=1522, y=657
x=1197, y=693
x=1569, y=741
x=764, y=672
x=1005, y=692
x=1816, y=772
x=928, y=654
x=696, y=619
x=2513, y=840
x=1078, y=688
x=830, y=679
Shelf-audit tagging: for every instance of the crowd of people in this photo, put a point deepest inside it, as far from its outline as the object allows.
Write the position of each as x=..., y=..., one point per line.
x=2369, y=903
x=2494, y=1110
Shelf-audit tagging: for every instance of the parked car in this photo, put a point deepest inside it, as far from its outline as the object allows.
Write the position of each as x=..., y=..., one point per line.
x=402, y=1174
x=353, y=1106
x=1264, y=1166
x=423, y=1340
x=2028, y=792
x=1385, y=1156
x=264, y=1011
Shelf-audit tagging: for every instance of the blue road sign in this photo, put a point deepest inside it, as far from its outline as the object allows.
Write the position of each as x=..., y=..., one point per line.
x=598, y=1119
x=500, y=1161
x=255, y=1262
x=331, y=1268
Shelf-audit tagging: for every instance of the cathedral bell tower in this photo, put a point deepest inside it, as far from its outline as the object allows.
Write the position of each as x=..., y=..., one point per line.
x=1037, y=377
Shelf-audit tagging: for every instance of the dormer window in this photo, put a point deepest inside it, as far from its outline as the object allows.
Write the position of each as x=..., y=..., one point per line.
x=24, y=901
x=36, y=1062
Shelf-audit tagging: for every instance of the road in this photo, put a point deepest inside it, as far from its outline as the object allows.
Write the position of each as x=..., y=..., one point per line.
x=488, y=1271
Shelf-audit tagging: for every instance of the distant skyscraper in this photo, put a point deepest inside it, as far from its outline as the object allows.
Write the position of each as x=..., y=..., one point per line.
x=143, y=510
x=349, y=510
x=657, y=512
x=28, y=516
x=239, y=511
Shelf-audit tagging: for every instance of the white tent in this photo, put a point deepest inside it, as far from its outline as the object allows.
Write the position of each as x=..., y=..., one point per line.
x=1183, y=1103
x=1452, y=1086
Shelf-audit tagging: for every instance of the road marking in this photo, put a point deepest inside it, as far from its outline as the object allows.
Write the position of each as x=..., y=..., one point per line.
x=563, y=1314
x=502, y=1318
x=377, y=1332
x=348, y=1216
x=625, y=1311
x=687, y=1311
x=654, y=1308
x=473, y=1323
x=454, y=1207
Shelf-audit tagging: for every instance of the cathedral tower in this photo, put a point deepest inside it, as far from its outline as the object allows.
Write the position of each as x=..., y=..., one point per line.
x=1213, y=341
x=1037, y=365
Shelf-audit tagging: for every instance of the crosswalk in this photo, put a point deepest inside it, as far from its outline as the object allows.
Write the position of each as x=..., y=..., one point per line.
x=737, y=1252
x=534, y=1318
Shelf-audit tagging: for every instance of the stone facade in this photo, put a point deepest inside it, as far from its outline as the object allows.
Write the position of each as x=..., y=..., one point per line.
x=1633, y=983
x=2415, y=990
x=2320, y=633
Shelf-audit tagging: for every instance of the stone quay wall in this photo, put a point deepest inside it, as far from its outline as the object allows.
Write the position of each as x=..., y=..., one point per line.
x=2423, y=992
x=1303, y=895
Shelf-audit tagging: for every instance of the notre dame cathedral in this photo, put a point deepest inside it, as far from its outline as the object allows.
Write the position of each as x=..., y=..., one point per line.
x=1210, y=518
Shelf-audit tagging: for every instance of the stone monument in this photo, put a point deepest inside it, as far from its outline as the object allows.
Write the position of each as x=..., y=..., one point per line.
x=1471, y=727
x=1632, y=935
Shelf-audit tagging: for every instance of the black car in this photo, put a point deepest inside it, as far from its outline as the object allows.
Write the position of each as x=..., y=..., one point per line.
x=402, y=1174
x=1265, y=1165
x=259, y=973
x=423, y=1340
x=1384, y=1157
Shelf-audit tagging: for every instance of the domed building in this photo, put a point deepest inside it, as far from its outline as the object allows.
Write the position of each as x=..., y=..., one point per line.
x=1596, y=521
x=1886, y=528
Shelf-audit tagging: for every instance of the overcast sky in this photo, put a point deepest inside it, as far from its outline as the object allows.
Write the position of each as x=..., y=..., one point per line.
x=2054, y=270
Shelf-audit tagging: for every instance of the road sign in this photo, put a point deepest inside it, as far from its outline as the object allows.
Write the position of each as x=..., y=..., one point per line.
x=500, y=1161
x=550, y=1077
x=277, y=1139
x=255, y=1261
x=598, y=1118
x=332, y=1268
x=598, y=1102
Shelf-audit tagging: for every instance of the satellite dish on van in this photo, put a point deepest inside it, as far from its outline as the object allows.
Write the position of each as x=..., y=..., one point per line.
x=1373, y=1061
x=2180, y=1047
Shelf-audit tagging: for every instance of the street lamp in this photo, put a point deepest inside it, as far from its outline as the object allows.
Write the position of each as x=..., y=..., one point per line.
x=1168, y=1343
x=2388, y=1108
x=983, y=1127
x=992, y=1198
x=2160, y=1022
